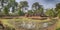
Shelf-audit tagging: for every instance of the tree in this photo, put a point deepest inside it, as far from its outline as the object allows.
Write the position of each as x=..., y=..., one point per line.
x=12, y=4
x=21, y=13
x=2, y=3
x=30, y=12
x=23, y=5
x=8, y=4
x=6, y=10
x=50, y=13
x=57, y=9
x=58, y=13
x=57, y=6
x=36, y=6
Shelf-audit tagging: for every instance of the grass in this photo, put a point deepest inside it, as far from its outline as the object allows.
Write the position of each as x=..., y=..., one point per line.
x=58, y=24
x=58, y=29
x=6, y=21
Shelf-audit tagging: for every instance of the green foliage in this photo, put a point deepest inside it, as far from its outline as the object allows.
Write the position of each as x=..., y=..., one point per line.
x=23, y=5
x=30, y=12
x=57, y=9
x=6, y=10
x=21, y=13
x=50, y=13
x=58, y=14
x=57, y=6
x=12, y=4
x=58, y=29
x=38, y=12
x=36, y=6
x=2, y=3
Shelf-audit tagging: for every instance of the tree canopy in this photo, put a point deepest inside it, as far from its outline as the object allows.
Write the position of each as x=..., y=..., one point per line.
x=22, y=8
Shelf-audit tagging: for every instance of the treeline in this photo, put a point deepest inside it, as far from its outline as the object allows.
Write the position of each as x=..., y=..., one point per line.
x=11, y=7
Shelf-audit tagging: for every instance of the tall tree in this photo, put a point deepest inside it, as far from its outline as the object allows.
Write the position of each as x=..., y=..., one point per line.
x=57, y=9
x=57, y=6
x=21, y=13
x=36, y=6
x=50, y=13
x=3, y=3
x=6, y=10
x=23, y=5
x=12, y=4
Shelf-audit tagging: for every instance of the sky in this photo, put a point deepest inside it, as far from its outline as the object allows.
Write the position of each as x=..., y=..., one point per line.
x=46, y=3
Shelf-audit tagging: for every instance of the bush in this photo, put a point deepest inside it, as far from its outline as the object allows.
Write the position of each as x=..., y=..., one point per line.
x=21, y=13
x=10, y=28
x=58, y=29
x=6, y=11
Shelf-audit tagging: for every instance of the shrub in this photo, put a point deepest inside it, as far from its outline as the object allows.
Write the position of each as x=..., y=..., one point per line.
x=58, y=29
